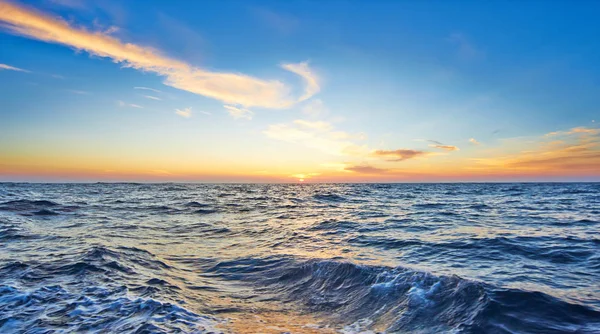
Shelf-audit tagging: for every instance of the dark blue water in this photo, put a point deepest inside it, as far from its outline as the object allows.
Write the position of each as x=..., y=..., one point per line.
x=405, y=258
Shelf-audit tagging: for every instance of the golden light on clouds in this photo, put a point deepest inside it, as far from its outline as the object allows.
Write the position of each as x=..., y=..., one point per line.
x=231, y=88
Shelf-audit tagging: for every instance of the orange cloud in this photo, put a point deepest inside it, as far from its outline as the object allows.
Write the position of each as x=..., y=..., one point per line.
x=446, y=147
x=231, y=88
x=399, y=155
x=577, y=152
x=578, y=130
x=185, y=112
x=365, y=169
x=437, y=144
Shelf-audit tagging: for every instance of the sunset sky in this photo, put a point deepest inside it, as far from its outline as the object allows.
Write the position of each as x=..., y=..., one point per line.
x=283, y=91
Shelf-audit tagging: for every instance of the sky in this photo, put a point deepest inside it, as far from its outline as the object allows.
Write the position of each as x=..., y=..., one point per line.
x=299, y=91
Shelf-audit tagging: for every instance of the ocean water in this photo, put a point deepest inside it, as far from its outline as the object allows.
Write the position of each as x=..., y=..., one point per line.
x=300, y=258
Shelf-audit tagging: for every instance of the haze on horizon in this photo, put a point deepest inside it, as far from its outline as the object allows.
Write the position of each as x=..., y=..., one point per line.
x=273, y=91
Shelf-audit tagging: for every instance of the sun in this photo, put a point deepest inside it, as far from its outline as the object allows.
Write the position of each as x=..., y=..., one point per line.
x=300, y=180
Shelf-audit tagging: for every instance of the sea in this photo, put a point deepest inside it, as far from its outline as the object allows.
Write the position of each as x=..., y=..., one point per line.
x=300, y=258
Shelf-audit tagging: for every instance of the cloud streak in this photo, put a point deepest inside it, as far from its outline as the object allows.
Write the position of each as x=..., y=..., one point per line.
x=446, y=147
x=575, y=131
x=230, y=88
x=399, y=155
x=437, y=144
x=185, y=112
x=12, y=68
x=150, y=97
x=577, y=150
x=365, y=169
x=239, y=113
x=150, y=89
x=318, y=135
x=125, y=104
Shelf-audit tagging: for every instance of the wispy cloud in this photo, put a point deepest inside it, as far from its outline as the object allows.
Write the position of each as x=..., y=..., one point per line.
x=365, y=169
x=239, y=113
x=150, y=89
x=132, y=105
x=315, y=108
x=446, y=147
x=318, y=135
x=474, y=141
x=577, y=150
x=12, y=68
x=316, y=125
x=310, y=78
x=185, y=112
x=578, y=130
x=152, y=97
x=230, y=88
x=437, y=144
x=399, y=155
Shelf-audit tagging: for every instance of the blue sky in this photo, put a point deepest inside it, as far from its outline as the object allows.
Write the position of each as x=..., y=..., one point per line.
x=339, y=81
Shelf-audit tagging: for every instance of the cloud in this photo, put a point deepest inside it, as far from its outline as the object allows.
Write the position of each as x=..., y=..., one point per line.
x=578, y=150
x=239, y=113
x=318, y=135
x=310, y=79
x=583, y=160
x=399, y=155
x=12, y=68
x=446, y=147
x=204, y=112
x=186, y=112
x=150, y=89
x=125, y=104
x=437, y=144
x=578, y=130
x=316, y=125
x=315, y=108
x=152, y=97
x=474, y=141
x=230, y=88
x=365, y=169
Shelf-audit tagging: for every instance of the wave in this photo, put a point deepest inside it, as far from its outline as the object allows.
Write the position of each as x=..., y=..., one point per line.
x=205, y=211
x=403, y=300
x=37, y=207
x=195, y=204
x=556, y=250
x=327, y=197
x=95, y=309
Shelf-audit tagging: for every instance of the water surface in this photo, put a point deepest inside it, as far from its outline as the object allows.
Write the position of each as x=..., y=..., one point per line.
x=422, y=258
